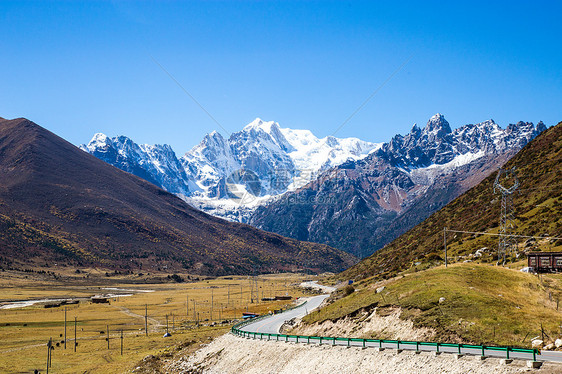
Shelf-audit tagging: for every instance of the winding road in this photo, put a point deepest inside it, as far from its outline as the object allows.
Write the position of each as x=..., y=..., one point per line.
x=272, y=324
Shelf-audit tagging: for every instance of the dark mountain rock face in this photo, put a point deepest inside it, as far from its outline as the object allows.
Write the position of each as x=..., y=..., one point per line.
x=362, y=205
x=60, y=204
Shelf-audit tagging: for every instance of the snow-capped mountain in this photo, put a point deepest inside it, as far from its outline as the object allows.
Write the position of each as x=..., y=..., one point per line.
x=359, y=206
x=230, y=177
x=157, y=164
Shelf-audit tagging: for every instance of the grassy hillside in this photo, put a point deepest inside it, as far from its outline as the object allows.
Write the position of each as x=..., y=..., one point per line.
x=483, y=304
x=538, y=211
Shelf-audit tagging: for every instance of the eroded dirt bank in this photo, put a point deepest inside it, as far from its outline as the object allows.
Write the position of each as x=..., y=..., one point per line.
x=231, y=354
x=367, y=325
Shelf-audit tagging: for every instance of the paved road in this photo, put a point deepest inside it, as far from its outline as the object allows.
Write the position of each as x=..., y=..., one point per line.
x=271, y=325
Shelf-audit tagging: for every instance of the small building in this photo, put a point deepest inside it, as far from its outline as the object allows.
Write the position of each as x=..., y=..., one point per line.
x=545, y=262
x=100, y=300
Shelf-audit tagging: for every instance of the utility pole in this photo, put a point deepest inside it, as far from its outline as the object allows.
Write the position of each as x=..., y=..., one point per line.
x=121, y=342
x=64, y=327
x=75, y=342
x=445, y=244
x=187, y=306
x=107, y=336
x=49, y=345
x=212, y=302
x=506, y=240
x=146, y=319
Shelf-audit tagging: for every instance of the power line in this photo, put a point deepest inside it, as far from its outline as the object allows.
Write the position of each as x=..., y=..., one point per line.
x=493, y=234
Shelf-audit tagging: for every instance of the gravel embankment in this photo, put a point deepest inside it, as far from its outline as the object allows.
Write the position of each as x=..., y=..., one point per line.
x=231, y=354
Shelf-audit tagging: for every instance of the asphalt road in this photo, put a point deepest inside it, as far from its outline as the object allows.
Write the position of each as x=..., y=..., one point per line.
x=272, y=324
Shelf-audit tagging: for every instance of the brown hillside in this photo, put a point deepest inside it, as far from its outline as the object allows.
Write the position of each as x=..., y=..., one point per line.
x=60, y=204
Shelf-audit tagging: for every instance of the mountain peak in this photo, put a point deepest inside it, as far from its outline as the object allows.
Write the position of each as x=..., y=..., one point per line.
x=99, y=141
x=438, y=126
x=258, y=123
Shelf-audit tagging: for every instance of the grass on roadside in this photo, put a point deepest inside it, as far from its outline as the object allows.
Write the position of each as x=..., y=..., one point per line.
x=483, y=304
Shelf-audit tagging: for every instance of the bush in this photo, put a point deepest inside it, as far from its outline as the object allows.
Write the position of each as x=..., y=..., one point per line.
x=348, y=290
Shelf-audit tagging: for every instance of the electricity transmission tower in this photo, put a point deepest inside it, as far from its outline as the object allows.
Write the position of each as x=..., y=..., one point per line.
x=507, y=240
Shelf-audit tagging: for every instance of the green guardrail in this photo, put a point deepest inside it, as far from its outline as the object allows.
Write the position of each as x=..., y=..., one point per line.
x=237, y=330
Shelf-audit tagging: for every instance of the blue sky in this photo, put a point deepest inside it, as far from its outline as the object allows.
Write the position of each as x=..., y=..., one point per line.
x=78, y=68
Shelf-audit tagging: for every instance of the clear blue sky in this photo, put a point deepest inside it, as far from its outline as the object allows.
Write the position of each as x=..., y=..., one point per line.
x=78, y=68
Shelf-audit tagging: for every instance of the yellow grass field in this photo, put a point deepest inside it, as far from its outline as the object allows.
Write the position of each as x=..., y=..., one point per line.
x=195, y=312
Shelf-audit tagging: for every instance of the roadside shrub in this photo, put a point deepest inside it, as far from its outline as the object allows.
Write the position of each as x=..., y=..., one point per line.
x=348, y=290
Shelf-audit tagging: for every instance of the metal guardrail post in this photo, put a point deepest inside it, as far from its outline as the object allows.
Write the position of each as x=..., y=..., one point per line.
x=380, y=343
x=459, y=345
x=320, y=341
x=286, y=338
x=297, y=338
x=483, y=351
x=398, y=344
x=363, y=343
x=507, y=353
x=308, y=340
x=334, y=341
x=437, y=346
x=417, y=346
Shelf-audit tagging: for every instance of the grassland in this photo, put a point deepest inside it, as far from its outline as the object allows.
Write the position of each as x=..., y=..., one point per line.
x=213, y=303
x=482, y=304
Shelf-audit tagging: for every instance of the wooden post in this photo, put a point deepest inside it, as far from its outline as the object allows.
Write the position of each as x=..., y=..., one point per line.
x=187, y=306
x=107, y=336
x=146, y=319
x=166, y=323
x=75, y=342
x=64, y=327
x=121, y=342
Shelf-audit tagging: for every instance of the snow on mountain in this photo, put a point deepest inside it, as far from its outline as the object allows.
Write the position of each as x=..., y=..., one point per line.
x=360, y=206
x=155, y=163
x=229, y=177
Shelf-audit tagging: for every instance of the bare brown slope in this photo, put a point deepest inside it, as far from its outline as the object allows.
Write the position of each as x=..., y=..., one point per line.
x=538, y=211
x=58, y=203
